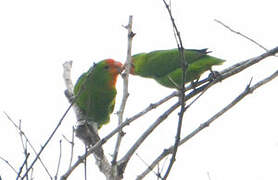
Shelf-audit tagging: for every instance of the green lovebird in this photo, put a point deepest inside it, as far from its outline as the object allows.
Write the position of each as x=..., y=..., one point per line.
x=95, y=91
x=164, y=65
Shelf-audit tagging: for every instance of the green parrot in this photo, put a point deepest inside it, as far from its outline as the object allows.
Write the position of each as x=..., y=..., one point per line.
x=97, y=91
x=164, y=65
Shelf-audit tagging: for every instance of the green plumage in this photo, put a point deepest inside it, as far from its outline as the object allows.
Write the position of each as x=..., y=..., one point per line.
x=164, y=65
x=97, y=93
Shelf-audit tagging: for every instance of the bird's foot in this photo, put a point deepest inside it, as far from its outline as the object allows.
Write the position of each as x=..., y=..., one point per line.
x=194, y=84
x=214, y=75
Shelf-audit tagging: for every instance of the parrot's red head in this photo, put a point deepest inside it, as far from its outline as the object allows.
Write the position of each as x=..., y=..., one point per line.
x=114, y=68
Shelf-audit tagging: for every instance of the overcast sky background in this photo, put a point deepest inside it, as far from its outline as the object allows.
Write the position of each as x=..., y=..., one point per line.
x=37, y=37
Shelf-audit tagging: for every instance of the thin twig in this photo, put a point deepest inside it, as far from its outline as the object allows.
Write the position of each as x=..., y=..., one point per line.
x=158, y=172
x=184, y=66
x=59, y=160
x=28, y=141
x=71, y=143
x=123, y=162
x=85, y=165
x=150, y=107
x=125, y=91
x=32, y=173
x=23, y=164
x=146, y=164
x=66, y=139
x=49, y=138
x=240, y=34
x=72, y=146
x=25, y=151
x=7, y=162
x=164, y=164
x=247, y=90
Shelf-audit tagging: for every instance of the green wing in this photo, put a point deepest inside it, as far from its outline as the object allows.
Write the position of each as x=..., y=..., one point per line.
x=82, y=98
x=162, y=62
x=194, y=71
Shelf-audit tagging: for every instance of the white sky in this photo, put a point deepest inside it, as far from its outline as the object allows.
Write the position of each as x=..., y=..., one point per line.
x=37, y=37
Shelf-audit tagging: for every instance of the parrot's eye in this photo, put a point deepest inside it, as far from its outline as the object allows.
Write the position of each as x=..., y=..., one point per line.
x=106, y=67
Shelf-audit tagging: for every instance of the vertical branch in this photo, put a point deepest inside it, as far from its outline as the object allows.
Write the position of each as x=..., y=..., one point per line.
x=85, y=164
x=125, y=76
x=72, y=146
x=32, y=174
x=25, y=151
x=184, y=66
x=59, y=160
x=22, y=166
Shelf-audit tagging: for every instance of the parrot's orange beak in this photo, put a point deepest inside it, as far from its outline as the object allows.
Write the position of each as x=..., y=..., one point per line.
x=131, y=71
x=119, y=66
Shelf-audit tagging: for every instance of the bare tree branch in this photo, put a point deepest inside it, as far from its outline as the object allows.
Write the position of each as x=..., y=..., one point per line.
x=123, y=162
x=27, y=140
x=72, y=146
x=145, y=163
x=151, y=107
x=184, y=66
x=247, y=90
x=85, y=165
x=240, y=34
x=7, y=162
x=125, y=76
x=71, y=143
x=25, y=150
x=32, y=173
x=22, y=166
x=47, y=141
x=59, y=160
